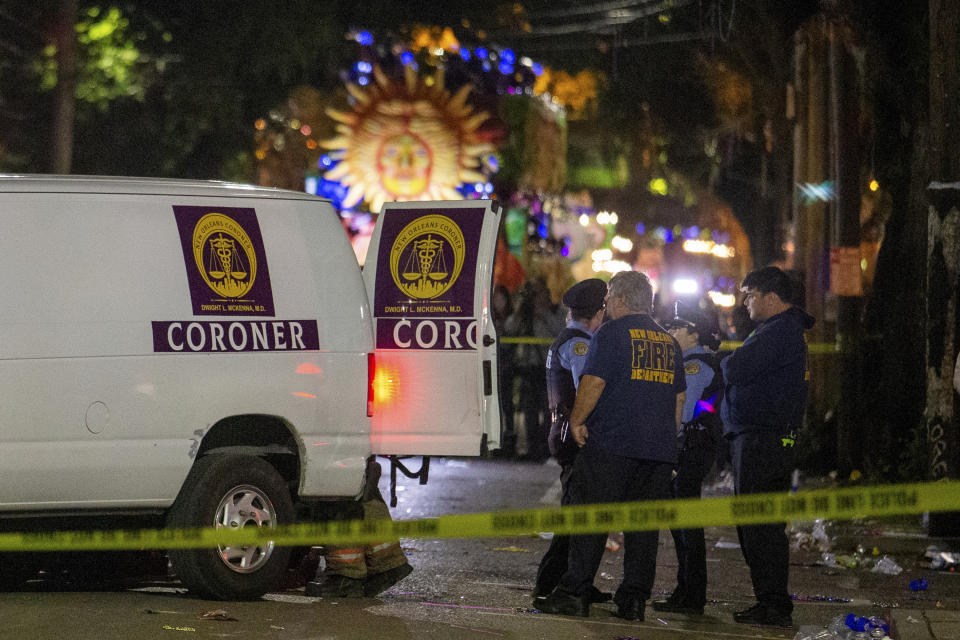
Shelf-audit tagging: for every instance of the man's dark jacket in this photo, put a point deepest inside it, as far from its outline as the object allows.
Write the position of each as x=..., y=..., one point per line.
x=767, y=377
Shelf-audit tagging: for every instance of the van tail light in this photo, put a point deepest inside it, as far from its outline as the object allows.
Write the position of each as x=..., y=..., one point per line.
x=371, y=374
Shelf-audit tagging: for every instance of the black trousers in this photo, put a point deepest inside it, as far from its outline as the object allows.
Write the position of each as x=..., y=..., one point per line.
x=697, y=456
x=554, y=561
x=599, y=477
x=762, y=463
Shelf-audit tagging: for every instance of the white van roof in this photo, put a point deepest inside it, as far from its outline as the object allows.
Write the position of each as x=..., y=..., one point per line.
x=34, y=183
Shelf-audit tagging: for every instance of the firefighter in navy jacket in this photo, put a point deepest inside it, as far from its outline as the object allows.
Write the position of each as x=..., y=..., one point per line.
x=763, y=406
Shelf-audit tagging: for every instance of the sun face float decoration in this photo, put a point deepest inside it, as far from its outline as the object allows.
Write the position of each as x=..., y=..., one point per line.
x=406, y=141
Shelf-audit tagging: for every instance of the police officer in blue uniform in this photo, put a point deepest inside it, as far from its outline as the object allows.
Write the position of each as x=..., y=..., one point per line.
x=565, y=361
x=700, y=434
x=625, y=419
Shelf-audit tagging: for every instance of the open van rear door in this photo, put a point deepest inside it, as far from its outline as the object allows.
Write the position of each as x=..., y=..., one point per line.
x=428, y=275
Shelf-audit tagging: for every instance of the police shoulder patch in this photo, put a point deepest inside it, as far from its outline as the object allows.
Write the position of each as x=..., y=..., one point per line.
x=691, y=368
x=580, y=348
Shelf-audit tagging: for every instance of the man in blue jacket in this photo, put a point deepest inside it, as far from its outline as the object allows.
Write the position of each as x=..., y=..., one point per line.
x=763, y=406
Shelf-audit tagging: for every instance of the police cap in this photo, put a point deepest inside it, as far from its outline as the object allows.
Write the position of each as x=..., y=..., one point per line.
x=692, y=321
x=696, y=322
x=586, y=297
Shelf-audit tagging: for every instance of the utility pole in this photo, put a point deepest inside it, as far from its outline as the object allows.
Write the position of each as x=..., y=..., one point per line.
x=65, y=40
x=846, y=280
x=811, y=167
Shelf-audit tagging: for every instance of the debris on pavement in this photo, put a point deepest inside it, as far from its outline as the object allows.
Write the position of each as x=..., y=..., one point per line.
x=817, y=538
x=723, y=544
x=168, y=627
x=818, y=598
x=511, y=549
x=942, y=560
x=811, y=632
x=887, y=566
x=216, y=614
x=920, y=584
x=612, y=545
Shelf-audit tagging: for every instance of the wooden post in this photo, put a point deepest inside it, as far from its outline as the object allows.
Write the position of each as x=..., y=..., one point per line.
x=810, y=220
x=845, y=241
x=65, y=40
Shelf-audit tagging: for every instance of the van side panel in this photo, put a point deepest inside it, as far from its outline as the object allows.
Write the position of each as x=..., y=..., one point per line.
x=95, y=416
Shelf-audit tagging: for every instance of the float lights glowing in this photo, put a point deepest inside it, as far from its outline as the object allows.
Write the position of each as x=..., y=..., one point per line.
x=822, y=192
x=488, y=188
x=481, y=52
x=486, y=65
x=721, y=299
x=622, y=244
x=325, y=161
x=874, y=185
x=607, y=217
x=526, y=61
x=603, y=261
x=505, y=68
x=584, y=219
x=406, y=57
x=363, y=81
x=364, y=38
x=601, y=255
x=363, y=67
x=641, y=228
x=383, y=157
x=508, y=56
x=537, y=69
x=565, y=251
x=709, y=246
x=658, y=186
x=465, y=54
x=685, y=286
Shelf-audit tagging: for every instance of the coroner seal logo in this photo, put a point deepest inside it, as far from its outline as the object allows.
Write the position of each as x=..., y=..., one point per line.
x=427, y=257
x=224, y=255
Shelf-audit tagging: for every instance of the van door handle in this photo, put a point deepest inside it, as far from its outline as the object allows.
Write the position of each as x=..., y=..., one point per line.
x=487, y=341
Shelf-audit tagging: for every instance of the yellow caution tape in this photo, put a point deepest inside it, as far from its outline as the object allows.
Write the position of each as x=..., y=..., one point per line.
x=836, y=504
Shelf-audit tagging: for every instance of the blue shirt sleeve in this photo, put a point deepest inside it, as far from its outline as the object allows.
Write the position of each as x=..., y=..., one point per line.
x=699, y=375
x=601, y=356
x=573, y=356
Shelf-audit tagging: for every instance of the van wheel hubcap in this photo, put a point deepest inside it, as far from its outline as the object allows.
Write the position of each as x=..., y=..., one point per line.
x=245, y=506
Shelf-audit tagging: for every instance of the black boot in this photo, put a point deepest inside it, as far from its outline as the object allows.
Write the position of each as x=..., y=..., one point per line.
x=564, y=604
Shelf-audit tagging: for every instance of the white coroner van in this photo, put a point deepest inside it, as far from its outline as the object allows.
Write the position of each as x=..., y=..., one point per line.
x=210, y=354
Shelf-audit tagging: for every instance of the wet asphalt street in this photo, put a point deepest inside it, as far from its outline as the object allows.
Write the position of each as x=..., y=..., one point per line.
x=479, y=588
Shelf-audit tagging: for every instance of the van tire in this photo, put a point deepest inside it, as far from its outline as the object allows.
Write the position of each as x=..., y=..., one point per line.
x=215, y=483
